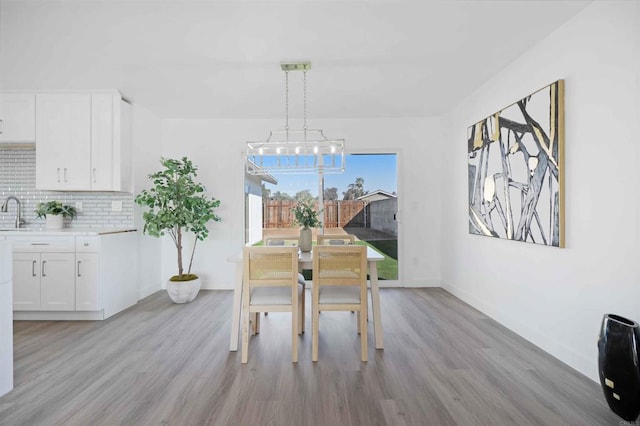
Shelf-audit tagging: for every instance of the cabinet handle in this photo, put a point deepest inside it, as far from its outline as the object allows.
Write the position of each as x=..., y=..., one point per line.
x=65, y=174
x=39, y=244
x=79, y=262
x=33, y=268
x=94, y=175
x=1, y=126
x=44, y=274
x=58, y=174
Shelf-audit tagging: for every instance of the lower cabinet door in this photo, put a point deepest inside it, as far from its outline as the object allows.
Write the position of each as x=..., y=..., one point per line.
x=57, y=284
x=26, y=281
x=87, y=296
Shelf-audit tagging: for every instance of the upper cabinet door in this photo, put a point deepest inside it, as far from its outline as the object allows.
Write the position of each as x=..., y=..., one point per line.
x=18, y=118
x=110, y=143
x=63, y=132
x=102, y=142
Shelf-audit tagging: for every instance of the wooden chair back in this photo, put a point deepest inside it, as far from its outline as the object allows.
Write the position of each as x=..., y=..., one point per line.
x=270, y=267
x=282, y=240
x=340, y=265
x=336, y=239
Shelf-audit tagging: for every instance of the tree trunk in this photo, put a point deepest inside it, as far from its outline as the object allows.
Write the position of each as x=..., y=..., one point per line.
x=179, y=246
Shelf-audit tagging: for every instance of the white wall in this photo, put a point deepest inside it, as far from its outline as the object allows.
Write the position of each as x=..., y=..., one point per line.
x=556, y=297
x=216, y=147
x=254, y=217
x=146, y=143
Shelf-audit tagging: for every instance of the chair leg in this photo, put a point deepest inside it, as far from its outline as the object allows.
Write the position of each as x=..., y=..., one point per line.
x=294, y=334
x=315, y=317
x=301, y=311
x=362, y=317
x=254, y=322
x=245, y=330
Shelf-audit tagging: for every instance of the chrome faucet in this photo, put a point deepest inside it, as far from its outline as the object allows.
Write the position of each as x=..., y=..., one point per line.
x=5, y=208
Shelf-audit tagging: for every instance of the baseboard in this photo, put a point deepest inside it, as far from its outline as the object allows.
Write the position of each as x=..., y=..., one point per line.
x=57, y=316
x=419, y=284
x=559, y=350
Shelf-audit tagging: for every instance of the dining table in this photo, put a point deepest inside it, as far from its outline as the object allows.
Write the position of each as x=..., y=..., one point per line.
x=305, y=261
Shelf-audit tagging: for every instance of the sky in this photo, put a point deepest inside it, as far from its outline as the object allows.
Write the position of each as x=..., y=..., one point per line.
x=379, y=171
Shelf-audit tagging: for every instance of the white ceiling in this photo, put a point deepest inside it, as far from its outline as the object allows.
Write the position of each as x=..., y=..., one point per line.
x=220, y=59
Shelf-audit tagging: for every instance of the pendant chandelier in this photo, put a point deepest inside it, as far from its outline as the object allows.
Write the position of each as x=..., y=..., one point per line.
x=295, y=151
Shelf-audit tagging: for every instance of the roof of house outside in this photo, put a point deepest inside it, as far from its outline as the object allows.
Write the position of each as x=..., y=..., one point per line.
x=265, y=177
x=377, y=192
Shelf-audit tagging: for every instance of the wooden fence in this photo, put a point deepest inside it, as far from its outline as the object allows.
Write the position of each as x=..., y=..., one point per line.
x=337, y=214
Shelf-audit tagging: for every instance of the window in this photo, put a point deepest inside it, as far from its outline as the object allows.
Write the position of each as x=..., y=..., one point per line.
x=361, y=201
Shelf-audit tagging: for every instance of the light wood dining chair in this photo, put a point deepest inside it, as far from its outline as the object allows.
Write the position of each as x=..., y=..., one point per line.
x=336, y=239
x=288, y=241
x=270, y=284
x=339, y=284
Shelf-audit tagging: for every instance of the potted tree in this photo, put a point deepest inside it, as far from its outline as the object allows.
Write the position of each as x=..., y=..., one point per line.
x=54, y=212
x=306, y=216
x=178, y=204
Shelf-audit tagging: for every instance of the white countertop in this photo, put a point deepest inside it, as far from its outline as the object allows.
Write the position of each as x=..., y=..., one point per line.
x=67, y=232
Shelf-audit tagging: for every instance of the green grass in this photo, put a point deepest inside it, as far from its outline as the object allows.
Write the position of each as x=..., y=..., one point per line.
x=387, y=247
x=387, y=268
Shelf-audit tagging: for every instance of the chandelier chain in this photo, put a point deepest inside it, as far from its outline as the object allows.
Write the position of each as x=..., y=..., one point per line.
x=305, y=98
x=286, y=99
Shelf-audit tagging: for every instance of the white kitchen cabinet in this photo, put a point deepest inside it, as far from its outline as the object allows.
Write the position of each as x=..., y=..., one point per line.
x=26, y=281
x=74, y=278
x=63, y=134
x=110, y=144
x=6, y=318
x=57, y=284
x=41, y=280
x=83, y=142
x=17, y=118
x=87, y=278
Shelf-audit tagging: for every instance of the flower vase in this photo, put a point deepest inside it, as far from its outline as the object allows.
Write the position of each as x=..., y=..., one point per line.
x=618, y=348
x=306, y=239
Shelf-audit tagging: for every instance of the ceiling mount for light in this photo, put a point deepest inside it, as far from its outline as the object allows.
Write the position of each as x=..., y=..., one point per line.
x=295, y=151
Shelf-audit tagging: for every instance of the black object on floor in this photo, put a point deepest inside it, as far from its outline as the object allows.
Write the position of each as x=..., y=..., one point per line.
x=618, y=348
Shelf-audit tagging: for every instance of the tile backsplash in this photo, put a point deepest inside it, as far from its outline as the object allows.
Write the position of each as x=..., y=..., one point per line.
x=18, y=178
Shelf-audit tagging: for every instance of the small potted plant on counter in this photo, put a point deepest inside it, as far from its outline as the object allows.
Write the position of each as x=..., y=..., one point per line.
x=177, y=204
x=54, y=212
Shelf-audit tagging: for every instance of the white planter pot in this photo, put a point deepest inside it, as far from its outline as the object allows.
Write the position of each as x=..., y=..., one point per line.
x=54, y=221
x=183, y=291
x=306, y=239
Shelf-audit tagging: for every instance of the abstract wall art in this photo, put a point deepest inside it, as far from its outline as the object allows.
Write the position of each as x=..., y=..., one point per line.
x=516, y=170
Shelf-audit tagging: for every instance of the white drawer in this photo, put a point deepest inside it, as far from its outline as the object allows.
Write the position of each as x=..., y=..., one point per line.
x=40, y=244
x=87, y=244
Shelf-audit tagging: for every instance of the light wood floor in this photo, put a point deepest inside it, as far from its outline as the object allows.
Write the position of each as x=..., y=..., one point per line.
x=444, y=363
